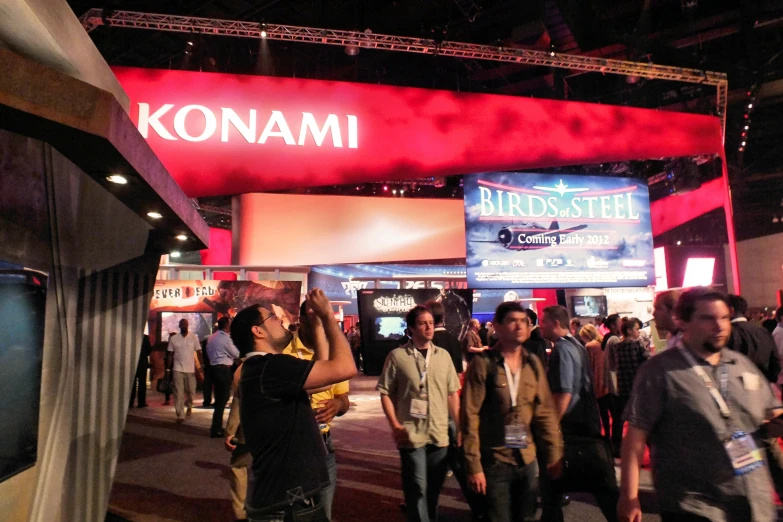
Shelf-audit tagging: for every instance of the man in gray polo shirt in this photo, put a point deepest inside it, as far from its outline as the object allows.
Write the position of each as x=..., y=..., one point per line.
x=700, y=407
x=419, y=388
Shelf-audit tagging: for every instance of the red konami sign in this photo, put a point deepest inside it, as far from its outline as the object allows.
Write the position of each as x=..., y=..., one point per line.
x=220, y=134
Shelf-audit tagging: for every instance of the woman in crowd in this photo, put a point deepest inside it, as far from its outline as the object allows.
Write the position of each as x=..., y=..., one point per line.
x=631, y=352
x=593, y=340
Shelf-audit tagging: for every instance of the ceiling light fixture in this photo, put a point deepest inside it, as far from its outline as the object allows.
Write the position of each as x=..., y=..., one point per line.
x=175, y=254
x=679, y=243
x=116, y=178
x=182, y=237
x=743, y=143
x=154, y=215
x=352, y=49
x=750, y=106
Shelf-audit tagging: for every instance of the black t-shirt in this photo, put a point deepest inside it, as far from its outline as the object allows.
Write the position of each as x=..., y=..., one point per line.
x=443, y=339
x=289, y=457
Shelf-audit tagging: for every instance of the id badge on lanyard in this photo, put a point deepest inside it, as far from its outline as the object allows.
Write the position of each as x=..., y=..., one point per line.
x=420, y=406
x=740, y=447
x=516, y=435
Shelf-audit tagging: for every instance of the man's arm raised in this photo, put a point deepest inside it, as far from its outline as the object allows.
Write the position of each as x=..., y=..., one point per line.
x=339, y=366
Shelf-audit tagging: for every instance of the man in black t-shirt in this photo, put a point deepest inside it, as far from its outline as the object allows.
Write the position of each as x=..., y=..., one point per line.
x=289, y=458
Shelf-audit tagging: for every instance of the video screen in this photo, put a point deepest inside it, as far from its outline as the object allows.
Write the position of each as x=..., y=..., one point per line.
x=199, y=323
x=589, y=305
x=23, y=304
x=389, y=328
x=527, y=230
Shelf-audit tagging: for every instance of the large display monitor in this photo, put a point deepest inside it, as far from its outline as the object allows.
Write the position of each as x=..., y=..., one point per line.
x=199, y=323
x=589, y=305
x=527, y=230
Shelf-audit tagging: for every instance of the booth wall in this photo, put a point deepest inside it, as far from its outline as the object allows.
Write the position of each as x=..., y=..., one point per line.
x=761, y=269
x=54, y=218
x=290, y=230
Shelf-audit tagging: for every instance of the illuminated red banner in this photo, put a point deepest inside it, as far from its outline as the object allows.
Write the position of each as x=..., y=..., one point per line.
x=223, y=134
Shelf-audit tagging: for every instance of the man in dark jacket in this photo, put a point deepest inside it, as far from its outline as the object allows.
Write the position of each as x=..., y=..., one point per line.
x=140, y=379
x=752, y=340
x=536, y=344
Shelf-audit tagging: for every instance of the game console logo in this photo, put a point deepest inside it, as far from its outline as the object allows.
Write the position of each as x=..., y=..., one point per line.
x=593, y=262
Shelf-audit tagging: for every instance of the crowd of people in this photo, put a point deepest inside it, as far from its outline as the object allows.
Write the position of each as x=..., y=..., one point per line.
x=522, y=411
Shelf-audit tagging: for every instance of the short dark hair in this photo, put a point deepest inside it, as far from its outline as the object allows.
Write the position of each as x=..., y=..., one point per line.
x=629, y=324
x=576, y=321
x=558, y=313
x=609, y=321
x=506, y=308
x=779, y=314
x=242, y=329
x=437, y=310
x=414, y=313
x=686, y=304
x=223, y=322
x=739, y=304
x=532, y=316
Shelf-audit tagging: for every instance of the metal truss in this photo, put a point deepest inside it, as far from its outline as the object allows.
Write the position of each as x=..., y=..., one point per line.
x=369, y=40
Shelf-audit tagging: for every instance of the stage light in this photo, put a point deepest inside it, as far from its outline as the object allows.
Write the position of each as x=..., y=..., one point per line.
x=679, y=243
x=263, y=34
x=175, y=254
x=394, y=191
x=116, y=178
x=351, y=49
x=386, y=188
x=747, y=127
x=743, y=143
x=154, y=215
x=182, y=237
x=775, y=219
x=750, y=106
x=190, y=44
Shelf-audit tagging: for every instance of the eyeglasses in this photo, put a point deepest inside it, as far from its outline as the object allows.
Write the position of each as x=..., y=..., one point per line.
x=270, y=316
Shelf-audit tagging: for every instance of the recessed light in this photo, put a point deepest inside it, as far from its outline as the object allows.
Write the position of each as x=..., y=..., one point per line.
x=154, y=215
x=679, y=243
x=116, y=178
x=182, y=237
x=175, y=254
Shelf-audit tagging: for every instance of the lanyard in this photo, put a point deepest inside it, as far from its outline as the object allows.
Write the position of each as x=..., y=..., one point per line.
x=422, y=373
x=513, y=383
x=719, y=396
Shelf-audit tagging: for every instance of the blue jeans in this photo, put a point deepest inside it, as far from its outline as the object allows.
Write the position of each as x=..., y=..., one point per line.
x=312, y=510
x=511, y=492
x=326, y=496
x=423, y=473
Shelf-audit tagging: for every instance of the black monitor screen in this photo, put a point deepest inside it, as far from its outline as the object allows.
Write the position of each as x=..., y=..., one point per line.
x=589, y=305
x=23, y=304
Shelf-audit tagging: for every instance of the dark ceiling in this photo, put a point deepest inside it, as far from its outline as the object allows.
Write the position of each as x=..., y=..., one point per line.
x=742, y=38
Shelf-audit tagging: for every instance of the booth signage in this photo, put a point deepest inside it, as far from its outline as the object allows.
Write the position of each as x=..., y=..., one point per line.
x=394, y=304
x=545, y=231
x=223, y=134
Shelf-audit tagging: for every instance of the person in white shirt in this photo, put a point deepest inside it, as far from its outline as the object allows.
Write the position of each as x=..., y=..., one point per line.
x=181, y=359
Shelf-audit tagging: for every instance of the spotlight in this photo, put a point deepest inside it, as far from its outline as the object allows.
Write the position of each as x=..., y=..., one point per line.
x=182, y=237
x=679, y=243
x=394, y=191
x=386, y=188
x=175, y=254
x=263, y=34
x=775, y=219
x=747, y=127
x=750, y=106
x=351, y=49
x=116, y=178
x=190, y=43
x=743, y=143
x=154, y=215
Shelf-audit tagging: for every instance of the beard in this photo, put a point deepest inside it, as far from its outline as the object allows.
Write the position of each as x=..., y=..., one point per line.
x=711, y=347
x=279, y=343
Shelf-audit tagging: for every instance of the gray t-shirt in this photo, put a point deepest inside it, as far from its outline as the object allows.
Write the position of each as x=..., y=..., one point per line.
x=691, y=469
x=569, y=372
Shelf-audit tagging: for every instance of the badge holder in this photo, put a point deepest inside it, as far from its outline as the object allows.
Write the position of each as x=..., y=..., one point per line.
x=743, y=453
x=420, y=407
x=516, y=434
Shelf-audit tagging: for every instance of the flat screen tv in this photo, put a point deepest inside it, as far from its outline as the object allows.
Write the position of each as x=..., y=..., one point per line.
x=199, y=323
x=589, y=305
x=389, y=328
x=23, y=304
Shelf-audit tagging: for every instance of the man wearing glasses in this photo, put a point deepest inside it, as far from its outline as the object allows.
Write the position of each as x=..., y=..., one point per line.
x=289, y=458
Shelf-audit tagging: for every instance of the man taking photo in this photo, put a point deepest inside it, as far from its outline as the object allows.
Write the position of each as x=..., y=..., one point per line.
x=289, y=458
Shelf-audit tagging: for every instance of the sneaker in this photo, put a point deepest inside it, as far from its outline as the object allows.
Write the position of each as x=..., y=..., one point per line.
x=189, y=412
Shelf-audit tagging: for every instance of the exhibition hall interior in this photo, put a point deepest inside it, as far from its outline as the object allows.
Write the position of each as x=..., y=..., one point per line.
x=407, y=207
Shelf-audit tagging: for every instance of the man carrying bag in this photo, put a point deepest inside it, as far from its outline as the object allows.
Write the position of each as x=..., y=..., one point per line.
x=589, y=466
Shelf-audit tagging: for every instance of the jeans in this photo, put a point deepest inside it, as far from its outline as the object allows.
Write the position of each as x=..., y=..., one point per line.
x=456, y=460
x=423, y=473
x=511, y=492
x=206, y=387
x=312, y=512
x=140, y=380
x=617, y=423
x=326, y=496
x=221, y=378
